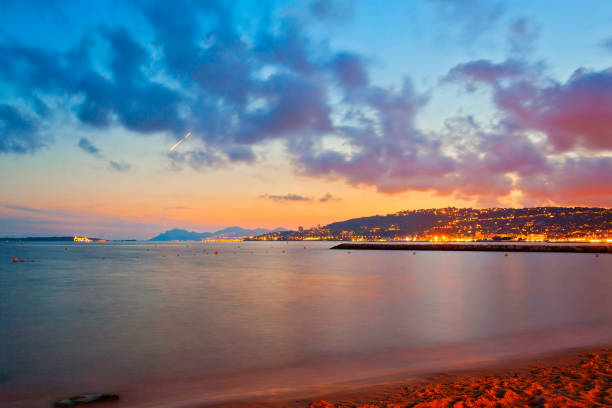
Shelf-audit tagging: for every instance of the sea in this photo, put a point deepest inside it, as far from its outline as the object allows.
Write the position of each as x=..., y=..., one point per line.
x=190, y=324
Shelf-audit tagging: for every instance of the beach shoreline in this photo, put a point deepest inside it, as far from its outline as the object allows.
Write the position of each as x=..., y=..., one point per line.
x=581, y=376
x=574, y=377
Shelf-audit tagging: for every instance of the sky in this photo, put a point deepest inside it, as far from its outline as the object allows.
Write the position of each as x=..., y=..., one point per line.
x=302, y=112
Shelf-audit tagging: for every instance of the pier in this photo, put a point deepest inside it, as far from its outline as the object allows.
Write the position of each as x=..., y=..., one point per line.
x=476, y=247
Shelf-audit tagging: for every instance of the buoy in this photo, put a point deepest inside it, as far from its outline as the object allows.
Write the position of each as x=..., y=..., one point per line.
x=22, y=260
x=506, y=255
x=15, y=260
x=216, y=252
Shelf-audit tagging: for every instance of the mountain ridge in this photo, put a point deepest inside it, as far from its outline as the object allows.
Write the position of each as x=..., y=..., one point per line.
x=179, y=234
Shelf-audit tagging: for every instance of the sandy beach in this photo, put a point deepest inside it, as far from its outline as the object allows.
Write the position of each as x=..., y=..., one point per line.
x=576, y=378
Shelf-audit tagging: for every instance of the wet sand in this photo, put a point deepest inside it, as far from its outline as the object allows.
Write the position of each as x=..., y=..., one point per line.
x=576, y=378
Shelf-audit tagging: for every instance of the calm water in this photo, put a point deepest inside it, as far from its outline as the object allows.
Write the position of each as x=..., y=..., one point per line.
x=157, y=321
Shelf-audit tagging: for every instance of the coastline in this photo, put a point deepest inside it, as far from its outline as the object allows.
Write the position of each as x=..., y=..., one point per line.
x=573, y=377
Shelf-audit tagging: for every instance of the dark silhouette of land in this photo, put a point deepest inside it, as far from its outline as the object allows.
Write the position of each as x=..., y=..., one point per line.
x=37, y=239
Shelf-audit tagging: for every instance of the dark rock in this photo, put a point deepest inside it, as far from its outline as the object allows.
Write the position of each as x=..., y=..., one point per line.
x=80, y=400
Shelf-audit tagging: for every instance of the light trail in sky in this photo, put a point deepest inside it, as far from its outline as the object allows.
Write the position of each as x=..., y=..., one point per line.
x=181, y=140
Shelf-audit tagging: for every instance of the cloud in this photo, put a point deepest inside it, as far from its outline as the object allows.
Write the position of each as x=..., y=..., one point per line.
x=286, y=197
x=577, y=113
x=33, y=211
x=296, y=197
x=328, y=197
x=88, y=147
x=332, y=9
x=584, y=180
x=350, y=70
x=522, y=35
x=484, y=71
x=195, y=67
x=18, y=131
x=607, y=44
x=470, y=17
x=389, y=152
x=119, y=166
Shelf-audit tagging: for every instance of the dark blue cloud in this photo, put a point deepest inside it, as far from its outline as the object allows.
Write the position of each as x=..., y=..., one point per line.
x=607, y=44
x=471, y=18
x=522, y=34
x=127, y=55
x=119, y=166
x=18, y=131
x=86, y=145
x=486, y=71
x=238, y=153
x=332, y=9
x=350, y=70
x=288, y=48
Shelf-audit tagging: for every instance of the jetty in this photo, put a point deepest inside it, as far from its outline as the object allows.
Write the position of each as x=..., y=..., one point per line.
x=494, y=247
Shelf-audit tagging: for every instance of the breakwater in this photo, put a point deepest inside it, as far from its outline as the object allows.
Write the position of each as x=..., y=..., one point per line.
x=478, y=247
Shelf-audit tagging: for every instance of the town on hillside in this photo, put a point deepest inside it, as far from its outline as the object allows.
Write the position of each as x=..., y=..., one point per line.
x=553, y=224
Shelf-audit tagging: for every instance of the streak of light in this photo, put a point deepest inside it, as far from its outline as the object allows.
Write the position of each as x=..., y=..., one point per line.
x=181, y=140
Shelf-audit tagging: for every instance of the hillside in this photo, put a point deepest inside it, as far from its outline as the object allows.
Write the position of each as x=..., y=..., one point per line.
x=538, y=223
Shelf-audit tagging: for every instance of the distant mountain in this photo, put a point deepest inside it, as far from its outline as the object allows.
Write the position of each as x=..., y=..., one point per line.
x=237, y=232
x=177, y=234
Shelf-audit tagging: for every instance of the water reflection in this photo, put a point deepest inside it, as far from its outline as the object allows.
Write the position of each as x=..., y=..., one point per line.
x=120, y=314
